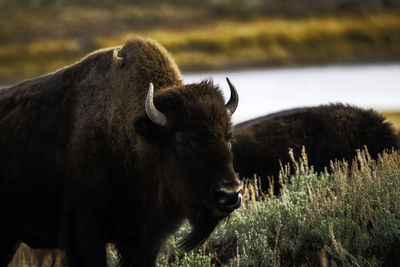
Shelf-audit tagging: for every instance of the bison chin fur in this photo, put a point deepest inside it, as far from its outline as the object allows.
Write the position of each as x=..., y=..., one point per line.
x=201, y=230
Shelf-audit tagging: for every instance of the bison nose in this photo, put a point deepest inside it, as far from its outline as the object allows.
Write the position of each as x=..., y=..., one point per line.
x=230, y=200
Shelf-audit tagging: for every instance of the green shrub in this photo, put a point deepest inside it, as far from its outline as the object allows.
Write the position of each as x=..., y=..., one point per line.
x=350, y=216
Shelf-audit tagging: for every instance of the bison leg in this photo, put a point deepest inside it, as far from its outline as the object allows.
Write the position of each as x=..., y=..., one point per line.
x=137, y=254
x=86, y=251
x=8, y=247
x=85, y=245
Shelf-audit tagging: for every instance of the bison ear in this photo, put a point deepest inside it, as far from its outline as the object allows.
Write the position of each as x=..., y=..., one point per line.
x=119, y=58
x=148, y=129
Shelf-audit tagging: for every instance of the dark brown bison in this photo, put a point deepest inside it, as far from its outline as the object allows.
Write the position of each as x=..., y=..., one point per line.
x=328, y=132
x=89, y=156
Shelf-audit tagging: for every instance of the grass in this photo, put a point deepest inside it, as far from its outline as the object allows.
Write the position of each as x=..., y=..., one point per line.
x=278, y=41
x=348, y=217
x=35, y=42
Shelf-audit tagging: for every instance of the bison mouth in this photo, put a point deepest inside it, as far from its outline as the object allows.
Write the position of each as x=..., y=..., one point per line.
x=224, y=208
x=206, y=223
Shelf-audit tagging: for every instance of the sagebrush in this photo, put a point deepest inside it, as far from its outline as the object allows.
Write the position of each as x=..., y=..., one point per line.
x=348, y=215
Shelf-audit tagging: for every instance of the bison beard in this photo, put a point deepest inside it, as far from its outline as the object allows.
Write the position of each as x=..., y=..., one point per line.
x=200, y=232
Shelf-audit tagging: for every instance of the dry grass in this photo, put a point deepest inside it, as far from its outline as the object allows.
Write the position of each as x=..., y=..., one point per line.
x=354, y=209
x=271, y=41
x=26, y=257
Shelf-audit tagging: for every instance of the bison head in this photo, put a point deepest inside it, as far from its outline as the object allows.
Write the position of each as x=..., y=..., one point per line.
x=191, y=129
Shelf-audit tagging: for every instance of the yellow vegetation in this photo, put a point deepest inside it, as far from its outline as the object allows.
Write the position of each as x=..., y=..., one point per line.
x=220, y=43
x=394, y=118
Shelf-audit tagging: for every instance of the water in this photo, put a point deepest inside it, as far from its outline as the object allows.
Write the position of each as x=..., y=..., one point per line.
x=265, y=91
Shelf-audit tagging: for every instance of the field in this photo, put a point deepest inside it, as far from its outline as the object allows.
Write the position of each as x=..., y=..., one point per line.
x=348, y=217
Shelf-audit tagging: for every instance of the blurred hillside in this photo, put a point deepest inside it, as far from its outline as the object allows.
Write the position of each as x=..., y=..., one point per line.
x=40, y=36
x=237, y=7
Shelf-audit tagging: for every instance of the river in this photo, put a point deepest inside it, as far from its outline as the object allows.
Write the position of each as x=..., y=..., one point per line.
x=264, y=91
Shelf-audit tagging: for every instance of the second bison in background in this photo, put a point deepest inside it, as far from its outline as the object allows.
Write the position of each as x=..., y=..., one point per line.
x=328, y=132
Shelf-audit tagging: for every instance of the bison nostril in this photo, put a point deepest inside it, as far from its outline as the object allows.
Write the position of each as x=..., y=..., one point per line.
x=222, y=196
x=228, y=199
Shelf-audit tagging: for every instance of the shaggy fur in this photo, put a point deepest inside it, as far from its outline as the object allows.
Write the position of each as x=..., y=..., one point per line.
x=327, y=132
x=81, y=165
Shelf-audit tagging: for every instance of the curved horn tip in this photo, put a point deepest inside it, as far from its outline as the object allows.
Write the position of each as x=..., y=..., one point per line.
x=234, y=99
x=152, y=112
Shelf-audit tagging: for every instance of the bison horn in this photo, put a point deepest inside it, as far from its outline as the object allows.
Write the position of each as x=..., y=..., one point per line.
x=152, y=112
x=233, y=101
x=118, y=58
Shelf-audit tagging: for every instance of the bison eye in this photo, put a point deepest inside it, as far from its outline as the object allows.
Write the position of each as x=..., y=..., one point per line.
x=184, y=144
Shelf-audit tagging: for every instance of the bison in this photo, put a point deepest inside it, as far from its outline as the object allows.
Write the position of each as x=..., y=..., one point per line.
x=91, y=155
x=328, y=132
